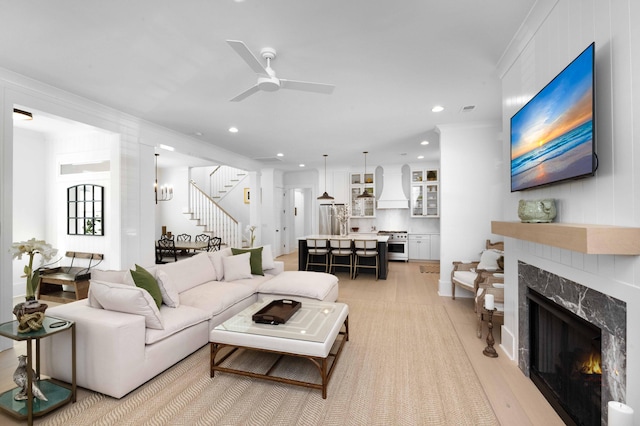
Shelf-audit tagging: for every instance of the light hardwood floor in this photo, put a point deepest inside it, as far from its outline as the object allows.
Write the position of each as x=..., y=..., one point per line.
x=513, y=397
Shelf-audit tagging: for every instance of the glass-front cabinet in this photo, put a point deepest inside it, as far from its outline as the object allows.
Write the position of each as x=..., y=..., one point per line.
x=425, y=193
x=362, y=207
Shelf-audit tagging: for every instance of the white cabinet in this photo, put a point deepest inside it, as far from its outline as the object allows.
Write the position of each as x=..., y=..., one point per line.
x=425, y=193
x=424, y=246
x=363, y=207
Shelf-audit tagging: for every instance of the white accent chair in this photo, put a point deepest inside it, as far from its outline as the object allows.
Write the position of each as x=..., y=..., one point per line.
x=469, y=274
x=494, y=284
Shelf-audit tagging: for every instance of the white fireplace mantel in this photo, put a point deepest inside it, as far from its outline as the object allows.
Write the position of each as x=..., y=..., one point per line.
x=583, y=238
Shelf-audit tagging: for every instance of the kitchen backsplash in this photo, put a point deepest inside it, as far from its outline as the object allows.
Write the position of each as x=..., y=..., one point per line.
x=396, y=220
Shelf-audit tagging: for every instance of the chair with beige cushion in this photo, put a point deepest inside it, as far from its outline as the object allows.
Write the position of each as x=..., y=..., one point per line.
x=365, y=249
x=317, y=248
x=468, y=275
x=494, y=284
x=341, y=249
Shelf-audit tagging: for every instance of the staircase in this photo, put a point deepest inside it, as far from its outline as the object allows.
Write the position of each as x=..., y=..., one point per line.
x=215, y=220
x=223, y=179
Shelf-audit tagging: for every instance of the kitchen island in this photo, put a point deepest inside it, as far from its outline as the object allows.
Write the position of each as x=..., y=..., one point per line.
x=383, y=259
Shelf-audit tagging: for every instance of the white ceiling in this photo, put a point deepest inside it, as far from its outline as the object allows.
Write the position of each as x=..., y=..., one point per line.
x=167, y=62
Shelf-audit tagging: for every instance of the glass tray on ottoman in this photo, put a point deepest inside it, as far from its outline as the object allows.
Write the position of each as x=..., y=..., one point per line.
x=276, y=312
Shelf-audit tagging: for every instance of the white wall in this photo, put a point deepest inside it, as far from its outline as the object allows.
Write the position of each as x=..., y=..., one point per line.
x=555, y=33
x=30, y=196
x=133, y=227
x=470, y=194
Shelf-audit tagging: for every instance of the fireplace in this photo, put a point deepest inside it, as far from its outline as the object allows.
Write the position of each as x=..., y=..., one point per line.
x=565, y=360
x=601, y=311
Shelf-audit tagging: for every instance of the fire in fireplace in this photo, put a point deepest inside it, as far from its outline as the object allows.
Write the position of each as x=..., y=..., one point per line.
x=565, y=360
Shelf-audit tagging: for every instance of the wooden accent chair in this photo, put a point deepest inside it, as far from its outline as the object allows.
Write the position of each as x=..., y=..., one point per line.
x=203, y=238
x=494, y=284
x=469, y=275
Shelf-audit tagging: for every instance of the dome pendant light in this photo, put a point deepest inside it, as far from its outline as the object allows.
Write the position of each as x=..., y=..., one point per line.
x=365, y=193
x=325, y=196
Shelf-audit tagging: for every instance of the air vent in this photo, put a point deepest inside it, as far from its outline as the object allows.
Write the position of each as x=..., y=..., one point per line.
x=468, y=108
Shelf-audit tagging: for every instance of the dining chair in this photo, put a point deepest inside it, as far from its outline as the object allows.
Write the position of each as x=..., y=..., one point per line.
x=365, y=249
x=164, y=248
x=203, y=238
x=215, y=243
x=316, y=248
x=341, y=249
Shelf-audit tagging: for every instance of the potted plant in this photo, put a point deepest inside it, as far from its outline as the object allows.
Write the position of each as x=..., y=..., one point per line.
x=30, y=313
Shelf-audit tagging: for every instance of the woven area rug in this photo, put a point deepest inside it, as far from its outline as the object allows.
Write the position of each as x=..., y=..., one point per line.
x=402, y=365
x=430, y=268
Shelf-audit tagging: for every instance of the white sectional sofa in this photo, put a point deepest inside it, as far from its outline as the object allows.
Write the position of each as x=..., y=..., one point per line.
x=124, y=339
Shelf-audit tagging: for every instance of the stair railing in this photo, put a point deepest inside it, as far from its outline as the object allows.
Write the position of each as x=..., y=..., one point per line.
x=215, y=220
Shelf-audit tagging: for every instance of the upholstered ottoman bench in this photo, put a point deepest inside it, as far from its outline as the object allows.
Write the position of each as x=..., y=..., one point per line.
x=302, y=284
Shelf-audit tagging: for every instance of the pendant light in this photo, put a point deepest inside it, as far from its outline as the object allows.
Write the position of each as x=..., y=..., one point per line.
x=325, y=196
x=365, y=193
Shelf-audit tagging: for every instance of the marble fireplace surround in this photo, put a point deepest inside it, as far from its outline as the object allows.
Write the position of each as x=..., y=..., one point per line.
x=604, y=311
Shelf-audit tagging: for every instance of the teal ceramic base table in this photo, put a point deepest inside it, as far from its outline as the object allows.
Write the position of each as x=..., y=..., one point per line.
x=57, y=393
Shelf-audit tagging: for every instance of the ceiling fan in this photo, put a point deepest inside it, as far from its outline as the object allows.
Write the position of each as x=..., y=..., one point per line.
x=267, y=79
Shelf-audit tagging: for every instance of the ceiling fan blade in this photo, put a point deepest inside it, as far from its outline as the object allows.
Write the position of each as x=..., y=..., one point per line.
x=250, y=91
x=307, y=86
x=244, y=52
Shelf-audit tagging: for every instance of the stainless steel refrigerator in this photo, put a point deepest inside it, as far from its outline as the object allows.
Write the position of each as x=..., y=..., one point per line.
x=328, y=222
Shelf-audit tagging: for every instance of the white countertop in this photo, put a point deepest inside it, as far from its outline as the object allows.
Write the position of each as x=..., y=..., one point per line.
x=353, y=236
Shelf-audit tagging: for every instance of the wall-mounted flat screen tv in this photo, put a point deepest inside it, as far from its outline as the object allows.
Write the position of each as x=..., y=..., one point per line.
x=553, y=135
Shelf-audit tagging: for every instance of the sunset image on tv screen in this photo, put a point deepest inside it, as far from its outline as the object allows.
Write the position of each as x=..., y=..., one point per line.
x=552, y=135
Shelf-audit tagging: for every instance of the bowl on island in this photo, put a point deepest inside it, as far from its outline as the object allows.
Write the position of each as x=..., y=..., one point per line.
x=355, y=229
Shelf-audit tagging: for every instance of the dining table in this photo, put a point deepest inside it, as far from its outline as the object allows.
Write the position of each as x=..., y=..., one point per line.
x=191, y=245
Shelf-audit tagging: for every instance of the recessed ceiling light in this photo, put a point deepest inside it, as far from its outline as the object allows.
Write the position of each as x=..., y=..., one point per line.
x=301, y=165
x=424, y=143
x=420, y=157
x=437, y=108
x=233, y=129
x=280, y=154
x=197, y=133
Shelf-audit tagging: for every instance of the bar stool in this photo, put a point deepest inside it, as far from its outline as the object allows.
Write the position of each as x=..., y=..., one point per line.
x=365, y=249
x=317, y=247
x=341, y=248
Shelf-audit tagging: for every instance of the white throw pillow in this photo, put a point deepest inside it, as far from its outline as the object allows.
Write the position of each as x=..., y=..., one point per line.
x=110, y=276
x=216, y=260
x=237, y=267
x=190, y=272
x=489, y=260
x=170, y=296
x=127, y=299
x=267, y=258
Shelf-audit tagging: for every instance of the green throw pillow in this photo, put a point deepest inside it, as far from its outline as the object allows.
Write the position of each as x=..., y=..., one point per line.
x=143, y=279
x=255, y=260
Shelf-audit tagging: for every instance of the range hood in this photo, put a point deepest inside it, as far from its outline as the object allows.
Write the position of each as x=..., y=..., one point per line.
x=392, y=196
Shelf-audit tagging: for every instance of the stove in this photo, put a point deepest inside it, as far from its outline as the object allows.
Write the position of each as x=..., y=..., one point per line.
x=397, y=245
